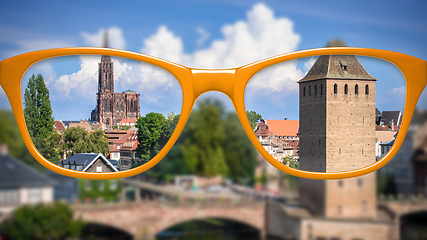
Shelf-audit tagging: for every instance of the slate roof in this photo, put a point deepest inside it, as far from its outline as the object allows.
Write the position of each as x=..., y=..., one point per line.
x=332, y=67
x=87, y=159
x=388, y=116
x=14, y=173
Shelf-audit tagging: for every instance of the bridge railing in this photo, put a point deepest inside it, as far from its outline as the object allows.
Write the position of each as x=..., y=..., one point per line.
x=403, y=198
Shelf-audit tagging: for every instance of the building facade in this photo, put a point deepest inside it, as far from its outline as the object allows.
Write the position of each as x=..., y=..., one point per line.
x=336, y=133
x=112, y=107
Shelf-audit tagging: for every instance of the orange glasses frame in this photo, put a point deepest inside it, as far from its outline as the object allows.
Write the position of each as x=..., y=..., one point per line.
x=195, y=82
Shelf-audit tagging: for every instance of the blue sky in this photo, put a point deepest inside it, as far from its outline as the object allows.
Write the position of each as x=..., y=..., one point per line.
x=201, y=33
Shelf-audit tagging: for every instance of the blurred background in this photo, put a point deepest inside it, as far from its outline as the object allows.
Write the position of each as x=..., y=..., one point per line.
x=251, y=200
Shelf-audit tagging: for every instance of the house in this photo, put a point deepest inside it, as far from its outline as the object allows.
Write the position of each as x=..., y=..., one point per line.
x=128, y=154
x=127, y=122
x=20, y=184
x=85, y=124
x=278, y=137
x=389, y=117
x=116, y=139
x=89, y=162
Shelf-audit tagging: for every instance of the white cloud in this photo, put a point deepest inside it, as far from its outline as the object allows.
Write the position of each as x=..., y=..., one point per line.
x=260, y=36
x=204, y=36
x=165, y=44
x=83, y=83
x=115, y=38
x=397, y=91
x=34, y=45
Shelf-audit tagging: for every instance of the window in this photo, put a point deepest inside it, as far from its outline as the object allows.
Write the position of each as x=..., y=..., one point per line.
x=34, y=195
x=98, y=168
x=303, y=92
x=9, y=197
x=356, y=89
x=315, y=90
x=309, y=90
x=365, y=205
x=359, y=182
x=367, y=89
x=321, y=89
x=335, y=88
x=346, y=89
x=340, y=183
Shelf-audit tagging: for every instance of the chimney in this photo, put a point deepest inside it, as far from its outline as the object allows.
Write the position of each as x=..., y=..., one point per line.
x=4, y=149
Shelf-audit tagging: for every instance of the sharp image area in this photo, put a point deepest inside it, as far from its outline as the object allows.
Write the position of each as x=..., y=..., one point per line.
x=101, y=113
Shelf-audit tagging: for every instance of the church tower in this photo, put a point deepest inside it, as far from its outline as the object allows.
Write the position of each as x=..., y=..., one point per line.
x=106, y=71
x=112, y=107
x=337, y=133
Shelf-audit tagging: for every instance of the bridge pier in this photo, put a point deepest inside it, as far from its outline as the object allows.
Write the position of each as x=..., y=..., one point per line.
x=145, y=234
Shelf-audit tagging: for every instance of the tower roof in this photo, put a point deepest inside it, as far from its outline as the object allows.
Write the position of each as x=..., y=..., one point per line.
x=106, y=44
x=337, y=67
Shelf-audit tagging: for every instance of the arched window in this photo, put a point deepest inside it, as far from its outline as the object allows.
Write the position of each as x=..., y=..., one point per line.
x=335, y=88
x=303, y=92
x=321, y=89
x=346, y=89
x=367, y=89
x=315, y=90
x=309, y=90
x=356, y=89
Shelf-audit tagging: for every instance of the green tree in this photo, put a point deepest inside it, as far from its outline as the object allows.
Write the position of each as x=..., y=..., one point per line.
x=253, y=118
x=201, y=148
x=78, y=140
x=10, y=135
x=152, y=135
x=386, y=184
x=109, y=190
x=290, y=161
x=42, y=222
x=38, y=116
x=240, y=154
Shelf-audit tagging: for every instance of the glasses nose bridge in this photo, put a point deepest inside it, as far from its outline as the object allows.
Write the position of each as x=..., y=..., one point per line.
x=221, y=80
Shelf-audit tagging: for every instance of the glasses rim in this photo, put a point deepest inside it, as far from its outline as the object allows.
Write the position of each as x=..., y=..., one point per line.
x=195, y=82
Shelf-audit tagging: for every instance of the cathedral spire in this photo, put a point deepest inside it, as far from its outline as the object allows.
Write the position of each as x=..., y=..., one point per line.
x=106, y=44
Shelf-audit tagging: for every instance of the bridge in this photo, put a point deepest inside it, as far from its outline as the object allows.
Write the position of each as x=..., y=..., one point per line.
x=144, y=219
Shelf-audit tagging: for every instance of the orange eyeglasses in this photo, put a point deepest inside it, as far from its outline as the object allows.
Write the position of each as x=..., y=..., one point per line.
x=339, y=121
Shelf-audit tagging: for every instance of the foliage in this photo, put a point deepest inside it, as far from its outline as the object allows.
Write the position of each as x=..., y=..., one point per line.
x=123, y=128
x=253, y=118
x=154, y=130
x=202, y=139
x=109, y=190
x=240, y=155
x=212, y=143
x=290, y=161
x=42, y=222
x=38, y=117
x=77, y=140
x=386, y=184
x=9, y=135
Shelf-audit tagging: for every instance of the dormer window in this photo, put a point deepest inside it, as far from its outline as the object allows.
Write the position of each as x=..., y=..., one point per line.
x=344, y=65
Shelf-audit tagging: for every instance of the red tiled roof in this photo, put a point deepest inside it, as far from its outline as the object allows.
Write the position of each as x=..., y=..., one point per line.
x=131, y=142
x=59, y=126
x=283, y=127
x=113, y=148
x=386, y=128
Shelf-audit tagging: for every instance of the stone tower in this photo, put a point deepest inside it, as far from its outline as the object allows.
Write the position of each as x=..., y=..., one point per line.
x=337, y=133
x=112, y=107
